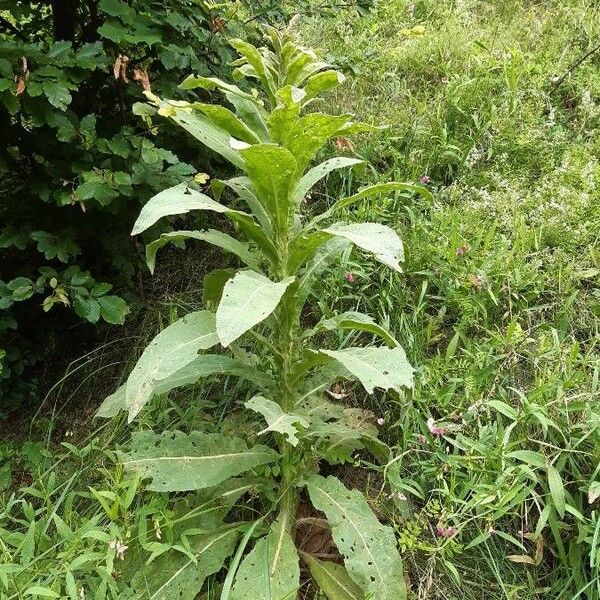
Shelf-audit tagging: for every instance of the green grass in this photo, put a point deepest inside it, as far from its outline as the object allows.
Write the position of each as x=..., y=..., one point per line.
x=499, y=309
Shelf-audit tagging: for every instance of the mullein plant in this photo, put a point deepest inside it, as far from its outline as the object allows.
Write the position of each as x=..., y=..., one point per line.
x=268, y=135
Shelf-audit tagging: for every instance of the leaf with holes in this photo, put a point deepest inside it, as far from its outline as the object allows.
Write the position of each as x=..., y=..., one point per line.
x=271, y=570
x=369, y=548
x=178, y=462
x=247, y=299
x=276, y=418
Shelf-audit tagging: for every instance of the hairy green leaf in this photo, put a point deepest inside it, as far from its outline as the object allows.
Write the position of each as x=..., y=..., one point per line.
x=270, y=571
x=171, y=350
x=177, y=575
x=382, y=241
x=385, y=368
x=178, y=462
x=277, y=420
x=333, y=579
x=247, y=299
x=317, y=173
x=369, y=548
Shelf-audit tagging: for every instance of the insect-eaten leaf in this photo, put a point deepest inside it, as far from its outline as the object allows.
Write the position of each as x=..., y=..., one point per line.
x=270, y=571
x=176, y=461
x=370, y=549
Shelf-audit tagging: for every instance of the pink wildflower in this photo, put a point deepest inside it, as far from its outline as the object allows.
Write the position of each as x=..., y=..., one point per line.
x=350, y=277
x=425, y=179
x=435, y=429
x=446, y=532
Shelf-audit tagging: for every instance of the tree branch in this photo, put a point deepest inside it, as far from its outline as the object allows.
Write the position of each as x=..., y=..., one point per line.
x=6, y=24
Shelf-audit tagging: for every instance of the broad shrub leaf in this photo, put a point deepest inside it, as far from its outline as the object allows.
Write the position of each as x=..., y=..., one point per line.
x=178, y=462
x=177, y=575
x=270, y=571
x=277, y=420
x=369, y=548
x=333, y=579
x=247, y=299
x=385, y=368
x=273, y=187
x=171, y=350
x=177, y=200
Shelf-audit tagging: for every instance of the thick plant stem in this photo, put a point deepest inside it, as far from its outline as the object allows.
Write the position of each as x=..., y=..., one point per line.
x=285, y=344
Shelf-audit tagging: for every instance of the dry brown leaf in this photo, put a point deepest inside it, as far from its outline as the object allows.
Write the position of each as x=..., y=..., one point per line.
x=142, y=76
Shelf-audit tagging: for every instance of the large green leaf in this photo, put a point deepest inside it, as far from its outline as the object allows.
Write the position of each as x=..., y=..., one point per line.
x=370, y=549
x=178, y=462
x=277, y=420
x=203, y=366
x=212, y=236
x=256, y=61
x=322, y=82
x=270, y=571
x=333, y=579
x=252, y=113
x=317, y=173
x=174, y=201
x=382, y=241
x=171, y=350
x=386, y=368
x=378, y=239
x=358, y=321
x=177, y=575
x=248, y=298
x=286, y=112
x=212, y=83
x=271, y=169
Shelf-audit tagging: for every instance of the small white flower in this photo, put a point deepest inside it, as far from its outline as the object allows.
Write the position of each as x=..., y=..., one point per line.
x=119, y=547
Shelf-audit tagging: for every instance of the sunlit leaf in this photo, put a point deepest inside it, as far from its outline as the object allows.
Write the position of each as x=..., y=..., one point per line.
x=277, y=420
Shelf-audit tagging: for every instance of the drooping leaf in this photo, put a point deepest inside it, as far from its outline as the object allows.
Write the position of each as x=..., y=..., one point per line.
x=247, y=299
x=177, y=200
x=251, y=113
x=243, y=187
x=212, y=236
x=171, y=350
x=378, y=188
x=370, y=549
x=358, y=321
x=385, y=368
x=270, y=571
x=333, y=579
x=277, y=419
x=178, y=462
x=204, y=365
x=382, y=241
x=227, y=121
x=177, y=575
x=255, y=60
x=317, y=173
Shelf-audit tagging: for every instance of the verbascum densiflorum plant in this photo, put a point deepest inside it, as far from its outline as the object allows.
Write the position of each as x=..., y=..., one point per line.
x=253, y=318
